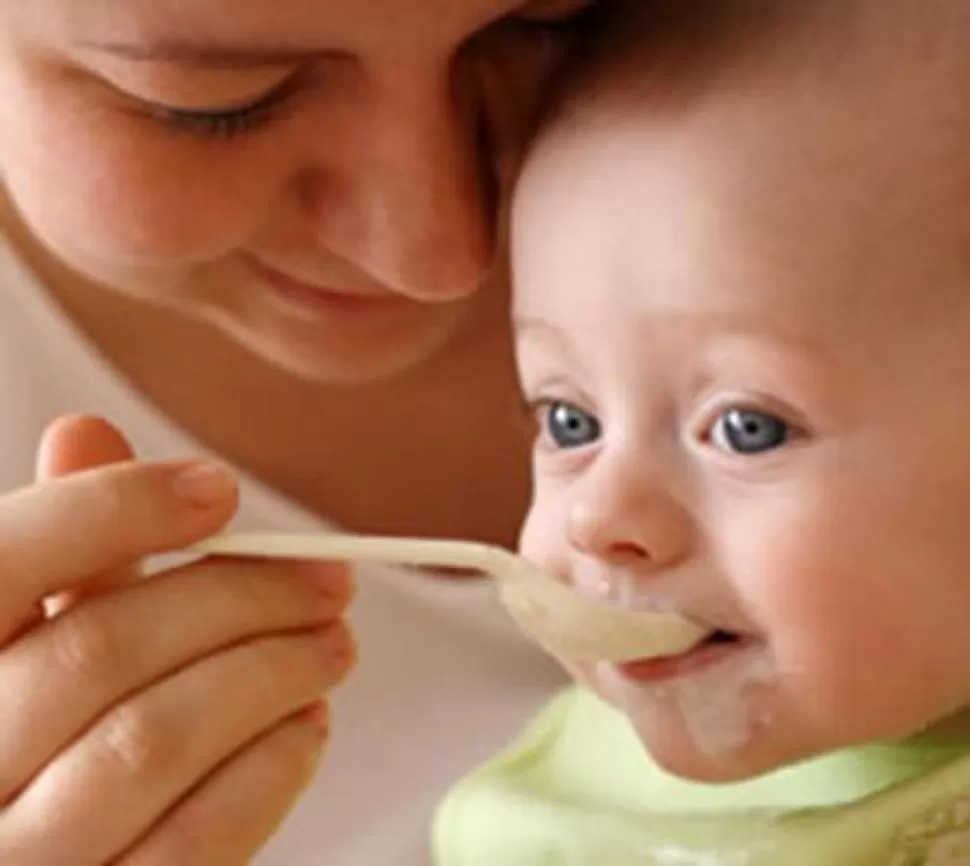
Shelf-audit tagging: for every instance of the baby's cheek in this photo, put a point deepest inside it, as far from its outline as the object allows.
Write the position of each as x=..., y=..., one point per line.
x=542, y=539
x=542, y=542
x=807, y=582
x=855, y=659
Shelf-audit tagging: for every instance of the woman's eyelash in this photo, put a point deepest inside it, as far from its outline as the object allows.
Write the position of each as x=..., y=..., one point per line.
x=215, y=124
x=227, y=123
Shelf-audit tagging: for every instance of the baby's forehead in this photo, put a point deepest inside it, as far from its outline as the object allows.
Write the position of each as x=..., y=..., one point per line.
x=780, y=147
x=709, y=220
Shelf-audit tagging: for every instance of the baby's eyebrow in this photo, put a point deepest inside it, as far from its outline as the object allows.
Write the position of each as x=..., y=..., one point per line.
x=541, y=334
x=206, y=55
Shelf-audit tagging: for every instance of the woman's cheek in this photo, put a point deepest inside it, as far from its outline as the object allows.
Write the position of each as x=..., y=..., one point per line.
x=104, y=186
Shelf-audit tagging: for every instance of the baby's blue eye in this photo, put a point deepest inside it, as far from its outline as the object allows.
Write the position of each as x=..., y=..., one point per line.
x=747, y=432
x=570, y=427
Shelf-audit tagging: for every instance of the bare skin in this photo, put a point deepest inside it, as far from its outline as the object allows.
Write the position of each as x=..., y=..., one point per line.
x=480, y=489
x=291, y=206
x=750, y=377
x=176, y=267
x=94, y=766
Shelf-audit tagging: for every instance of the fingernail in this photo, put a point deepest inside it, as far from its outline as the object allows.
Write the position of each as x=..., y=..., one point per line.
x=202, y=484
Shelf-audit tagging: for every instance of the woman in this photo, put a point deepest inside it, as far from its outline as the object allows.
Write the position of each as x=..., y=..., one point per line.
x=262, y=232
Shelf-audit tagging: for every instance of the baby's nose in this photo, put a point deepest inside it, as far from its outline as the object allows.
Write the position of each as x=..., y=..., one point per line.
x=624, y=517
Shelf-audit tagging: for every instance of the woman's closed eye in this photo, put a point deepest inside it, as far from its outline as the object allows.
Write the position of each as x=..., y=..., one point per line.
x=226, y=122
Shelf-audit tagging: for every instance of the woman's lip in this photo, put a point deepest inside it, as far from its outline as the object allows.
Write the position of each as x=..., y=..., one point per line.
x=658, y=670
x=322, y=297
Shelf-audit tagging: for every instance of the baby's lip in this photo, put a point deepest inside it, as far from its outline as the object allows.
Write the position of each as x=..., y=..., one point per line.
x=716, y=647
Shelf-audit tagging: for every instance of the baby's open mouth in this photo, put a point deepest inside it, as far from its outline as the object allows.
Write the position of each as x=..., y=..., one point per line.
x=723, y=637
x=717, y=646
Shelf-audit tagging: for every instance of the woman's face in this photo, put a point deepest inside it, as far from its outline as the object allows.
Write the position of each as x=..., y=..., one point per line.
x=319, y=180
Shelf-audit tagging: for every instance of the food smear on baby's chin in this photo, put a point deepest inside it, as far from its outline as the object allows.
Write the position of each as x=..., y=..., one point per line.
x=716, y=701
x=717, y=706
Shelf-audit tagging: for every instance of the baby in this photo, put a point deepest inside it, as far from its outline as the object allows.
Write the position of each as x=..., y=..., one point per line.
x=741, y=250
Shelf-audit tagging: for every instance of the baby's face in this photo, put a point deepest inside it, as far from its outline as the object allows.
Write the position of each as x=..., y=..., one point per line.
x=745, y=330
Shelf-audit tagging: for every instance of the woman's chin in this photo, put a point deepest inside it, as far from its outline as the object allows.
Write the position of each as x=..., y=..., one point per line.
x=346, y=359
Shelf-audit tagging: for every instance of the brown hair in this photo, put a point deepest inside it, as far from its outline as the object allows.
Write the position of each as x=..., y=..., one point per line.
x=670, y=52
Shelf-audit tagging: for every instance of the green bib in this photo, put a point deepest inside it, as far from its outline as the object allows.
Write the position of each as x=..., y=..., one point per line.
x=578, y=789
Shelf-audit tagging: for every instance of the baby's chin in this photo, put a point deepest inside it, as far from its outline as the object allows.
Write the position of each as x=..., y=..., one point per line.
x=712, y=726
x=740, y=717
x=678, y=751
x=717, y=728
x=699, y=737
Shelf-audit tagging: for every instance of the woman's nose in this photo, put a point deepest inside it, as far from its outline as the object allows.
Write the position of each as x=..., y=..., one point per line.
x=624, y=515
x=402, y=192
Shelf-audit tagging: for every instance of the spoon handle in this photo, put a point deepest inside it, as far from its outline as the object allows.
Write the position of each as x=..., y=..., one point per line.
x=435, y=553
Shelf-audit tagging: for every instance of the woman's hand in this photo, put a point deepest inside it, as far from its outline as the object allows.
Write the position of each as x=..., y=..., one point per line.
x=167, y=720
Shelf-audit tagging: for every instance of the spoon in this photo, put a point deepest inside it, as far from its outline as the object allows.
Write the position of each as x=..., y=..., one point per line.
x=559, y=619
